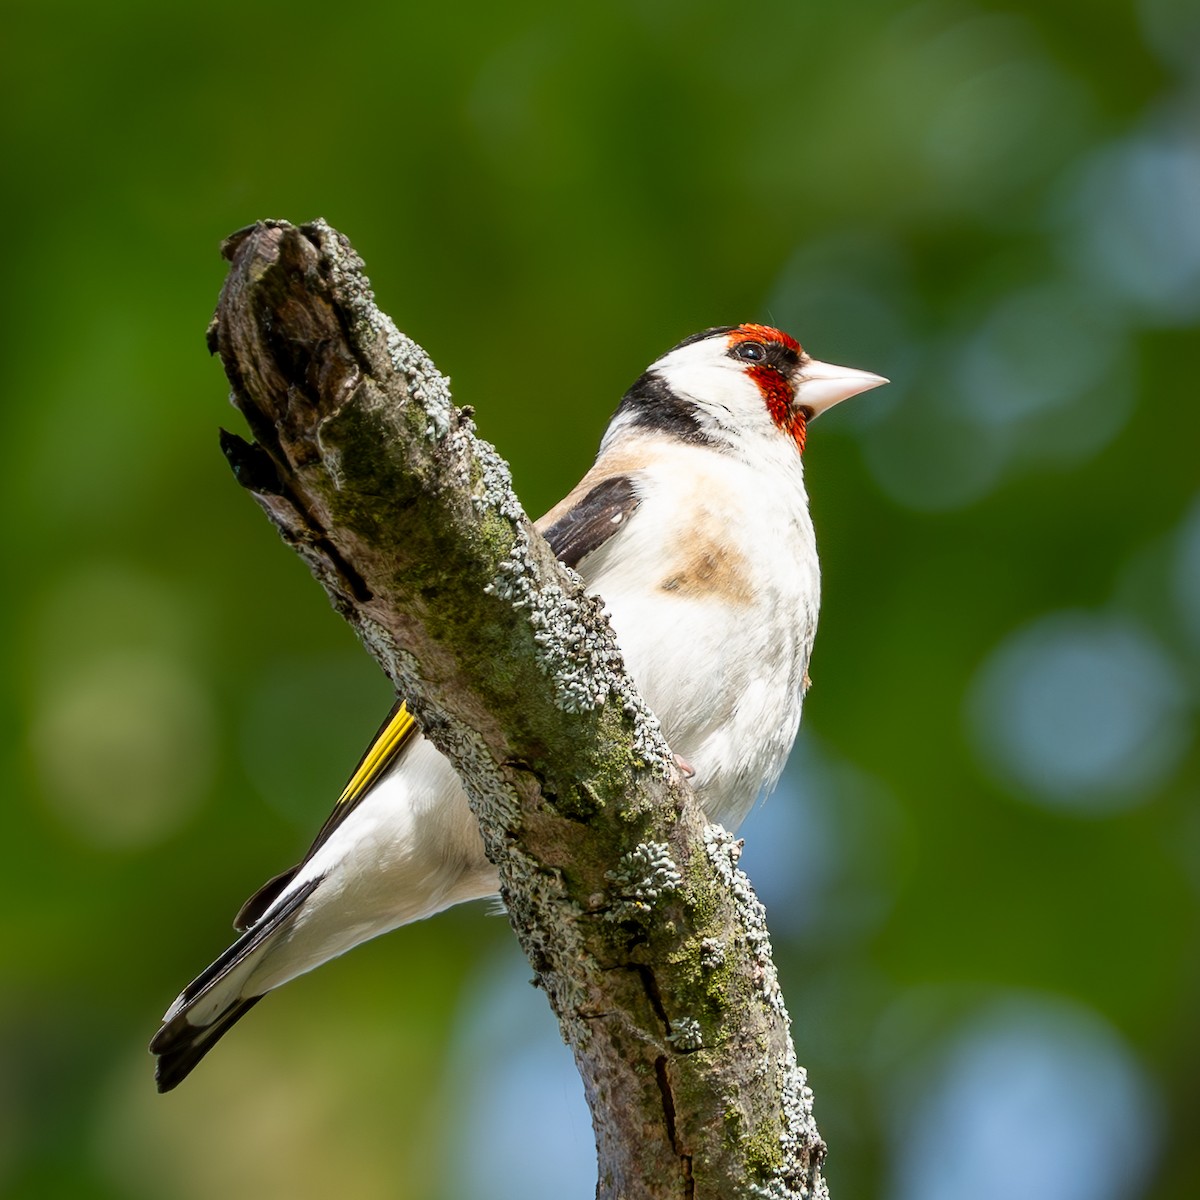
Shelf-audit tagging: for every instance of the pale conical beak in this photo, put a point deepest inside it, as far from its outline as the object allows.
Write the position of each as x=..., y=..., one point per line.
x=821, y=385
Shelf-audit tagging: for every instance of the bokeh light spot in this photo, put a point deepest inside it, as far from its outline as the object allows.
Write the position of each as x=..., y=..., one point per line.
x=1172, y=29
x=1132, y=220
x=1030, y=1090
x=1005, y=125
x=1044, y=348
x=1186, y=576
x=124, y=748
x=1079, y=711
x=1051, y=367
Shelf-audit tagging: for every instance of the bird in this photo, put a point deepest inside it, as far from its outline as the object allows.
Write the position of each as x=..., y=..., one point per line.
x=693, y=528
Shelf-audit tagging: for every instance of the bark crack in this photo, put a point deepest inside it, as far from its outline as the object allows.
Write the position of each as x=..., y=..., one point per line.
x=662, y=1074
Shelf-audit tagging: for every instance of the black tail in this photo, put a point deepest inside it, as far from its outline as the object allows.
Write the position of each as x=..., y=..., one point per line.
x=181, y=1043
x=181, y=1046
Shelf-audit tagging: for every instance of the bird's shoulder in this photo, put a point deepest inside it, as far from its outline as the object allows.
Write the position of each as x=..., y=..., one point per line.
x=599, y=506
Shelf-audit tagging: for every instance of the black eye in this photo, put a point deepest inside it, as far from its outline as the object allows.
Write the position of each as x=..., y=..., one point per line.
x=750, y=351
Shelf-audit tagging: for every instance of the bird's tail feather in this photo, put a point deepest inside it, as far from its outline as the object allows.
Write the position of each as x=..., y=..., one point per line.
x=205, y=1010
x=180, y=1045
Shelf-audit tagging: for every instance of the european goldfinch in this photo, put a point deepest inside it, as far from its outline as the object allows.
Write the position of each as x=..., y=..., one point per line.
x=693, y=526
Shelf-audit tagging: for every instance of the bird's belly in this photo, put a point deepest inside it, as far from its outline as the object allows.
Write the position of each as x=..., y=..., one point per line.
x=728, y=696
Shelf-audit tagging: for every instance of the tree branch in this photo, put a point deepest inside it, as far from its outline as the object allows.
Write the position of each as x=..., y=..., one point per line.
x=645, y=936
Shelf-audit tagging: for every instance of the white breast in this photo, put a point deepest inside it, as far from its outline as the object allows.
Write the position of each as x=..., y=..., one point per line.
x=713, y=589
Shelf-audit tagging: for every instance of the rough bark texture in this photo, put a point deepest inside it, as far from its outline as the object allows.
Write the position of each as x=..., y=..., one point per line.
x=645, y=936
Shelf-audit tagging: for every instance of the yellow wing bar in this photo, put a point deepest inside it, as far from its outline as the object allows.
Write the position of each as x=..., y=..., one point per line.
x=389, y=741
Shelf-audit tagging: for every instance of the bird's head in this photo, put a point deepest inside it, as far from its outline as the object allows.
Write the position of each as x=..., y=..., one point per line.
x=735, y=383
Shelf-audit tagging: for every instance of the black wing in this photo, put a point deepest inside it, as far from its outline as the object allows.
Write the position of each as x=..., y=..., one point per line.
x=590, y=523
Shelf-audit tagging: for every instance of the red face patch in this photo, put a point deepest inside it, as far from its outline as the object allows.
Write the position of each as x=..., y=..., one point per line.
x=772, y=376
x=764, y=333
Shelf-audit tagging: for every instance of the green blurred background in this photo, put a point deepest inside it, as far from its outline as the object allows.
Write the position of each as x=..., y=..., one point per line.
x=983, y=867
